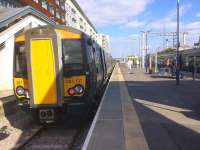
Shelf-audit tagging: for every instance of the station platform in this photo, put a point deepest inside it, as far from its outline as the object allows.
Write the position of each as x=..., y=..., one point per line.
x=116, y=125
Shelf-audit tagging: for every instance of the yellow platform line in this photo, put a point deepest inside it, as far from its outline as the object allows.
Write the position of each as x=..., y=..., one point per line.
x=134, y=136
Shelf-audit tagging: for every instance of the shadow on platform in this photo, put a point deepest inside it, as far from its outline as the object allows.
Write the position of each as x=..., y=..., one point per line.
x=169, y=114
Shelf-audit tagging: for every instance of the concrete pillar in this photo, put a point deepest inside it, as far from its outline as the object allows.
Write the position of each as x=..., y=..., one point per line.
x=195, y=61
x=195, y=67
x=184, y=38
x=143, y=49
x=167, y=43
x=187, y=60
x=150, y=62
x=156, y=62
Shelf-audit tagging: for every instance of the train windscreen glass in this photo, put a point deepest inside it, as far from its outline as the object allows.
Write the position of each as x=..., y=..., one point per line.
x=20, y=60
x=72, y=55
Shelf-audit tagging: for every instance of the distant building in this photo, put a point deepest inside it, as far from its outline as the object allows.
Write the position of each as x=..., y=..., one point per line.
x=54, y=9
x=104, y=42
x=76, y=18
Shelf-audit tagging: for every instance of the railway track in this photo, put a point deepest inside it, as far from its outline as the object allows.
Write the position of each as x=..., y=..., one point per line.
x=62, y=135
x=28, y=137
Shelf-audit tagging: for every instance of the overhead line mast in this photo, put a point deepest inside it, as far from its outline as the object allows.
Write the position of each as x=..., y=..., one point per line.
x=177, y=49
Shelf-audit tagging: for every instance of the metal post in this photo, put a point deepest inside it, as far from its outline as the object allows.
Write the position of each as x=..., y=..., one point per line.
x=177, y=50
x=139, y=53
x=156, y=62
x=142, y=48
x=146, y=51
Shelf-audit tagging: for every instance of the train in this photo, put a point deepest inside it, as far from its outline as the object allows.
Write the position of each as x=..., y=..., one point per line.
x=57, y=67
x=189, y=61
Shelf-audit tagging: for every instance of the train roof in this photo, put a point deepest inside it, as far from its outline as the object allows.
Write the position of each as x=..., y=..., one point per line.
x=62, y=30
x=188, y=52
x=9, y=15
x=191, y=51
x=59, y=27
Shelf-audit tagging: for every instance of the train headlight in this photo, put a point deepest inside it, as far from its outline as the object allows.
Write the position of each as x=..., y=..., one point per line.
x=20, y=91
x=79, y=89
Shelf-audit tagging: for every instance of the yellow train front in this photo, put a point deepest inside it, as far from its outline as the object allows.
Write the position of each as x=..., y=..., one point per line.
x=57, y=67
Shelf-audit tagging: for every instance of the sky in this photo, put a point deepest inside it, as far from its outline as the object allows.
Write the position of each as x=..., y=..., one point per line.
x=123, y=20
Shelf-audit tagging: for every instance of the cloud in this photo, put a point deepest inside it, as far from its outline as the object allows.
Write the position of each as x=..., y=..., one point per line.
x=133, y=36
x=135, y=24
x=109, y=12
x=193, y=26
x=198, y=14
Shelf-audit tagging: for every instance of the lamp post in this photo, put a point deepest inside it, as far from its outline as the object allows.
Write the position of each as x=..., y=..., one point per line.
x=146, y=49
x=177, y=49
x=140, y=56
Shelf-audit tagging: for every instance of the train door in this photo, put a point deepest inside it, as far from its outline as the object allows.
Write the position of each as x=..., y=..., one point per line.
x=43, y=72
x=103, y=63
x=90, y=52
x=44, y=63
x=99, y=67
x=93, y=69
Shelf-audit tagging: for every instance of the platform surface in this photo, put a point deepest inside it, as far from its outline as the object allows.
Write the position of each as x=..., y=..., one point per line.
x=116, y=125
x=169, y=114
x=140, y=111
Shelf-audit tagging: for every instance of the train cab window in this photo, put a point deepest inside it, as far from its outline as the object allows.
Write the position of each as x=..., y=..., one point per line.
x=20, y=59
x=72, y=54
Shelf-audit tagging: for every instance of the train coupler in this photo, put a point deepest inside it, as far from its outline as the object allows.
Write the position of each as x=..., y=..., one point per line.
x=46, y=114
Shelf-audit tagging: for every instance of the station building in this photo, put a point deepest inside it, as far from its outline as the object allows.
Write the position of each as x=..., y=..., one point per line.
x=54, y=9
x=104, y=41
x=76, y=18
